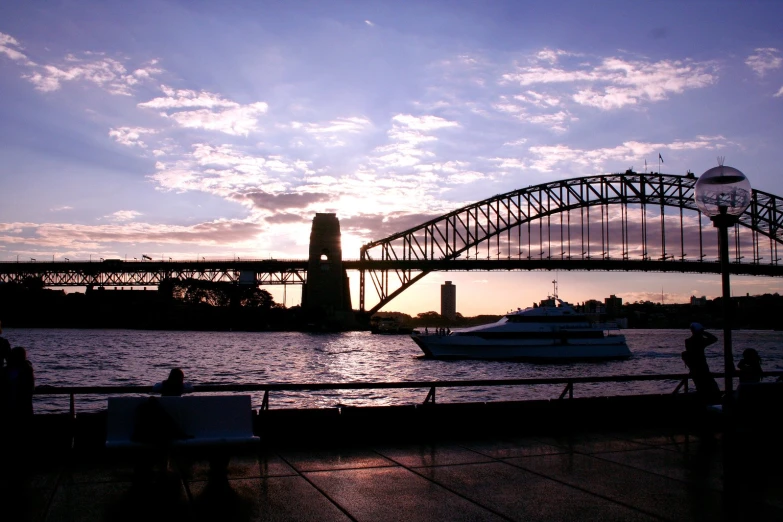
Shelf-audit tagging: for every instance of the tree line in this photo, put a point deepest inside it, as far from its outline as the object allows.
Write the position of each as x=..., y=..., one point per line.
x=188, y=304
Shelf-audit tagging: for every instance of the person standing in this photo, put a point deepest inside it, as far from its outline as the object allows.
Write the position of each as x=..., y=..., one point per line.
x=19, y=384
x=696, y=361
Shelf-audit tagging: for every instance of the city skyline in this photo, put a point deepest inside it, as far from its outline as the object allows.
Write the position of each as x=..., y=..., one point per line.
x=183, y=130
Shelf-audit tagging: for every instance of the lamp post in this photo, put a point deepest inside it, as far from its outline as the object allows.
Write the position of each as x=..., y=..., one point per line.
x=723, y=193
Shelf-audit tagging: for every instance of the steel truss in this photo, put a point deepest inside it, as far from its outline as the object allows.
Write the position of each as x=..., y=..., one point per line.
x=553, y=221
x=133, y=273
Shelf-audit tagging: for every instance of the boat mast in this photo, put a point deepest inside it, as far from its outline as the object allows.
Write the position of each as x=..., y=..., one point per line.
x=555, y=286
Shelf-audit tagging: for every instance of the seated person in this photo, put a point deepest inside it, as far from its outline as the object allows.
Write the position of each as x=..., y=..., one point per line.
x=750, y=366
x=174, y=386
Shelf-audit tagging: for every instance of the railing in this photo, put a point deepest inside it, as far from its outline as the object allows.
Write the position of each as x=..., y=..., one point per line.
x=568, y=390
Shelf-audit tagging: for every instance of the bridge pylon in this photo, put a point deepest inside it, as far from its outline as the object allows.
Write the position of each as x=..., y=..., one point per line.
x=326, y=297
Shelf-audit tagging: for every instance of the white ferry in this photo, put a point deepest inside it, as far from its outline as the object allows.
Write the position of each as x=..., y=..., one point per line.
x=551, y=331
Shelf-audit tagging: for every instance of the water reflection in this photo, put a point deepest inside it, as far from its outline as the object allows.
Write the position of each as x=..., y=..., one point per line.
x=129, y=357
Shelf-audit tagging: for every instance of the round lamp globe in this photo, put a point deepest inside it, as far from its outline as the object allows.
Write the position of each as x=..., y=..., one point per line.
x=722, y=190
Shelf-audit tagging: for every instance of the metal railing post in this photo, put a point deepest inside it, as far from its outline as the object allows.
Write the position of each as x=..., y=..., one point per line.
x=72, y=419
x=430, y=396
x=569, y=389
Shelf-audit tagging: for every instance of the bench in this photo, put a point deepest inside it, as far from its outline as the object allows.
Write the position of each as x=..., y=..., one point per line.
x=209, y=420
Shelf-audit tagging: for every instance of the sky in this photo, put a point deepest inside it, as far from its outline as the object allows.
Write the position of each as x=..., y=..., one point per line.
x=189, y=129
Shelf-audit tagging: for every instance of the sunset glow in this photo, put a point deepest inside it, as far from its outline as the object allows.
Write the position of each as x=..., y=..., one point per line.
x=178, y=129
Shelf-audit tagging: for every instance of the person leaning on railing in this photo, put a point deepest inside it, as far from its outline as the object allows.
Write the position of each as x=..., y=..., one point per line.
x=696, y=361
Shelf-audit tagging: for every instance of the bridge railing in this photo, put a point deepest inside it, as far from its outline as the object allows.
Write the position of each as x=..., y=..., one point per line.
x=569, y=383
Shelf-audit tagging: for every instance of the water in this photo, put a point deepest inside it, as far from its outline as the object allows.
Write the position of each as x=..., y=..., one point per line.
x=65, y=357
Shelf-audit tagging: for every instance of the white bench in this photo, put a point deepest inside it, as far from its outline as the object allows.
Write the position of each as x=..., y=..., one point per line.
x=209, y=420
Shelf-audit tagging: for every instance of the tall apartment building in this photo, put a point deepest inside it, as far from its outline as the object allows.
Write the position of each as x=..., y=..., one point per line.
x=448, y=300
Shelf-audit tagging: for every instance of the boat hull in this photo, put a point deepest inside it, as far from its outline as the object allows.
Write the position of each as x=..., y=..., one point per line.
x=474, y=347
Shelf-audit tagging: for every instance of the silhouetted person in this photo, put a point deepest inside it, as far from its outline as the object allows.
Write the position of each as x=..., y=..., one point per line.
x=750, y=366
x=174, y=386
x=696, y=361
x=5, y=348
x=19, y=383
x=154, y=426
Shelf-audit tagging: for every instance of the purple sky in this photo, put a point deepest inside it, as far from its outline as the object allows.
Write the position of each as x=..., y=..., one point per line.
x=184, y=129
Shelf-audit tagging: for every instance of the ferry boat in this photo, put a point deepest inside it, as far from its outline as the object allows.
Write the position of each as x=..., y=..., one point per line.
x=552, y=330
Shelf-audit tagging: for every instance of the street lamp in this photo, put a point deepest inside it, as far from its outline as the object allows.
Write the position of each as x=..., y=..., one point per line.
x=723, y=193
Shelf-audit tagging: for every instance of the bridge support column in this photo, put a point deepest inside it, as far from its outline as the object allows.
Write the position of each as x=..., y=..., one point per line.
x=326, y=297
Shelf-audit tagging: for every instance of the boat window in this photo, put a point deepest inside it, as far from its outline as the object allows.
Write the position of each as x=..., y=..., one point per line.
x=546, y=319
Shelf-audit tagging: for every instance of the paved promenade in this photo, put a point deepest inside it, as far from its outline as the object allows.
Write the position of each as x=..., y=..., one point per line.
x=635, y=475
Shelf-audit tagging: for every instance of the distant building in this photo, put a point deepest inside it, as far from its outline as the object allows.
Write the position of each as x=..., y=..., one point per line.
x=448, y=301
x=698, y=301
x=613, y=305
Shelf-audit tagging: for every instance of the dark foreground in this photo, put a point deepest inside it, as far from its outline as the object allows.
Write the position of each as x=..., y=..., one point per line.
x=665, y=464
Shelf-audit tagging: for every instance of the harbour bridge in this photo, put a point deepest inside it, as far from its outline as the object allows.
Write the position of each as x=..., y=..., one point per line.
x=614, y=222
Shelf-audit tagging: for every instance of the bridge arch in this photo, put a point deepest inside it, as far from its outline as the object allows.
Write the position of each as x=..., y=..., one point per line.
x=626, y=233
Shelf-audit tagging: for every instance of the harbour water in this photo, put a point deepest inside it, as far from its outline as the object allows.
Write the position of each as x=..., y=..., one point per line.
x=67, y=357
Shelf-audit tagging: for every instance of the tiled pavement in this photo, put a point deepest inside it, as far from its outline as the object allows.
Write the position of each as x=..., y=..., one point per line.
x=642, y=475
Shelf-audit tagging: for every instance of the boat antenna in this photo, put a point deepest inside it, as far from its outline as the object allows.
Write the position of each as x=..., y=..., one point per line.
x=555, y=286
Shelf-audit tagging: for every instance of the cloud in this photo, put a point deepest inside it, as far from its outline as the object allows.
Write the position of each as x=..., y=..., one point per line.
x=555, y=122
x=408, y=134
x=378, y=226
x=123, y=215
x=538, y=99
x=107, y=73
x=238, y=122
x=284, y=218
x=349, y=125
x=509, y=163
x=654, y=297
x=130, y=136
x=60, y=209
x=546, y=157
x=423, y=123
x=10, y=47
x=332, y=132
x=550, y=55
x=369, y=23
x=188, y=99
x=765, y=59
x=206, y=110
x=779, y=93
x=56, y=235
x=228, y=172
x=290, y=201
x=615, y=82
